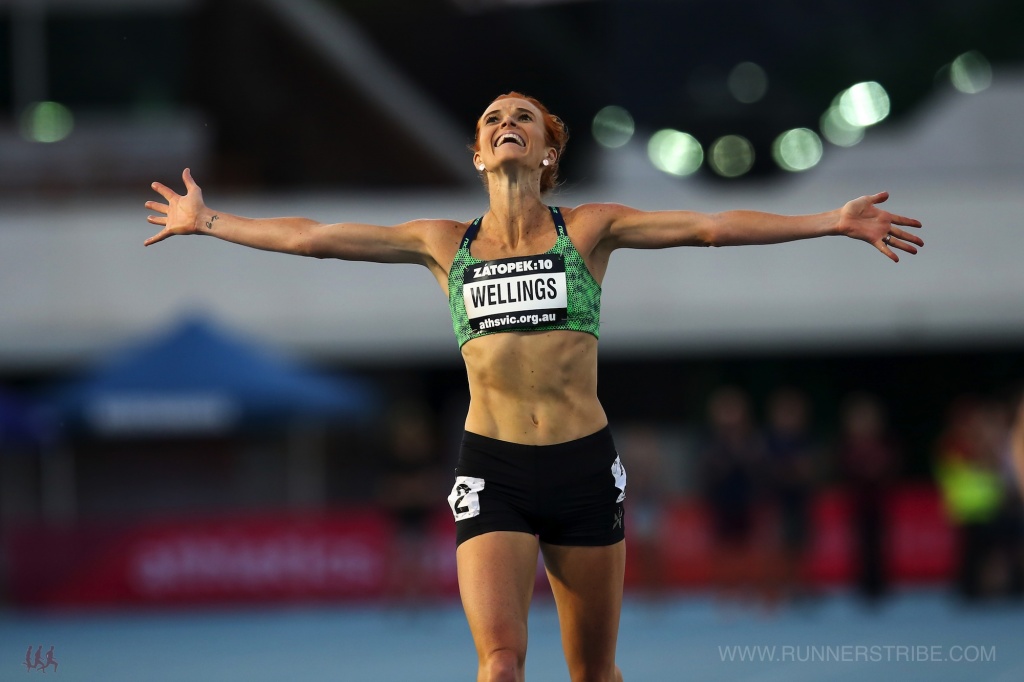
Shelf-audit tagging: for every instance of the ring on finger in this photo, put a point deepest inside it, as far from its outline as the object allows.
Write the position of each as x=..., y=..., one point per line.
x=887, y=238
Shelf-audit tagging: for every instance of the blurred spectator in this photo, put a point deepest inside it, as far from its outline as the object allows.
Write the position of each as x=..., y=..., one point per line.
x=730, y=462
x=1014, y=505
x=411, y=490
x=792, y=460
x=1010, y=541
x=644, y=459
x=869, y=462
x=969, y=476
x=1017, y=442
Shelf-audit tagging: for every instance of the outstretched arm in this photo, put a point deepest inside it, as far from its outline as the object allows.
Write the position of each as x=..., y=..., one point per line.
x=188, y=214
x=859, y=219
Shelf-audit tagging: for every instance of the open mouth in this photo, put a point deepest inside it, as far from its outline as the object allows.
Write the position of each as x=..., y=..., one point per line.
x=510, y=138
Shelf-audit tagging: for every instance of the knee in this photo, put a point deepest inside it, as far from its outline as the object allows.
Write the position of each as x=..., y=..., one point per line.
x=502, y=665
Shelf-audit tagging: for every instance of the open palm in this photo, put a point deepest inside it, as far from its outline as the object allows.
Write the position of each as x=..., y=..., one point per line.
x=863, y=219
x=180, y=215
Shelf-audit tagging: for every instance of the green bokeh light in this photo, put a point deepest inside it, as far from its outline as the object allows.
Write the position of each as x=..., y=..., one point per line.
x=46, y=122
x=838, y=131
x=864, y=104
x=970, y=72
x=797, y=150
x=675, y=152
x=613, y=127
x=731, y=156
x=748, y=82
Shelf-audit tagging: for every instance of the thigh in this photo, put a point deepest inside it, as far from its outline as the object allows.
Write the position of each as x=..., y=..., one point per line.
x=497, y=572
x=587, y=586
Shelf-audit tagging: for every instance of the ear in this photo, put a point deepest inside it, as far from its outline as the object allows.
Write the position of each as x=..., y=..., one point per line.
x=477, y=161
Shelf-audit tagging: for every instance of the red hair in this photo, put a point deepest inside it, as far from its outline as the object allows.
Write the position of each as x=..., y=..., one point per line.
x=555, y=135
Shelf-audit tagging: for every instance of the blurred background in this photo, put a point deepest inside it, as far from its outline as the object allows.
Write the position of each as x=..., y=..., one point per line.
x=199, y=425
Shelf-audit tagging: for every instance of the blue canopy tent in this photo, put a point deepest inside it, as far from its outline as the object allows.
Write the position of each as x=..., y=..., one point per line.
x=199, y=380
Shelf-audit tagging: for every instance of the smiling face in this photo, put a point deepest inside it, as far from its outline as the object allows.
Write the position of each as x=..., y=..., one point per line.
x=511, y=130
x=518, y=132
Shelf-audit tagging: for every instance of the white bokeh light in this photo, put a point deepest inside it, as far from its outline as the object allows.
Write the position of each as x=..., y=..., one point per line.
x=864, y=104
x=838, y=131
x=971, y=72
x=675, y=152
x=797, y=150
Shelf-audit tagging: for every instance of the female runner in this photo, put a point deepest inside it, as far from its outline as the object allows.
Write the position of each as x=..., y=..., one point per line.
x=537, y=471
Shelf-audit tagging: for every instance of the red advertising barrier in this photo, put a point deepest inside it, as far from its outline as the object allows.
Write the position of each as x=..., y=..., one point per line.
x=353, y=554
x=921, y=543
x=338, y=556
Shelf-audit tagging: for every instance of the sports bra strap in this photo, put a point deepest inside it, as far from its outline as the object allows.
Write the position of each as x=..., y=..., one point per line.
x=559, y=221
x=471, y=233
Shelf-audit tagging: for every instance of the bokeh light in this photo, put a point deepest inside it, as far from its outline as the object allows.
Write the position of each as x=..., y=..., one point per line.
x=797, y=150
x=838, y=130
x=864, y=104
x=748, y=82
x=675, y=152
x=731, y=156
x=970, y=72
x=613, y=127
x=46, y=122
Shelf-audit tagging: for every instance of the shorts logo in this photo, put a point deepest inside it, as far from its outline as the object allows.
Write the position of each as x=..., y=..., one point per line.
x=465, y=500
x=619, y=472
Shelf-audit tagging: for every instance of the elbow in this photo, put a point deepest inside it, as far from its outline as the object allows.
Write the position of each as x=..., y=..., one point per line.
x=708, y=233
x=305, y=243
x=304, y=247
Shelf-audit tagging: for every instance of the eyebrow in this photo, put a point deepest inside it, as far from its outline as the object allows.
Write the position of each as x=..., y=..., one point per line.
x=517, y=109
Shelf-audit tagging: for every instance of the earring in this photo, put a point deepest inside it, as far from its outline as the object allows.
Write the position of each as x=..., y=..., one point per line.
x=546, y=162
x=480, y=168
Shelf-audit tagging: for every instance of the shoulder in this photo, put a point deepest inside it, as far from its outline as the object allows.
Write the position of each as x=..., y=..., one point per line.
x=440, y=238
x=433, y=231
x=596, y=212
x=434, y=226
x=595, y=221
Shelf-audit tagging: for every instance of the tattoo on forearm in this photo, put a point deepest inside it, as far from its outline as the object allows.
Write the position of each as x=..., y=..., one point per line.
x=209, y=223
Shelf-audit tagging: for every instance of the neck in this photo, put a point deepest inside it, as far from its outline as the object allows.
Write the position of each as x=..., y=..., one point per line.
x=515, y=206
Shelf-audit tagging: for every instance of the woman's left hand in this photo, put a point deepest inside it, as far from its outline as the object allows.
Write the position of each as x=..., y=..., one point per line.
x=862, y=219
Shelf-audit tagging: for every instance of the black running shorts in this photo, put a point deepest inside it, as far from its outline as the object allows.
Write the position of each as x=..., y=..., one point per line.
x=566, y=494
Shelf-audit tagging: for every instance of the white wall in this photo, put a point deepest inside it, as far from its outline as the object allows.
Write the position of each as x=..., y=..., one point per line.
x=74, y=277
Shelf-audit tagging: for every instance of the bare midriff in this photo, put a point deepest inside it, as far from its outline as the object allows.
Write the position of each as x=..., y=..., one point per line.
x=533, y=388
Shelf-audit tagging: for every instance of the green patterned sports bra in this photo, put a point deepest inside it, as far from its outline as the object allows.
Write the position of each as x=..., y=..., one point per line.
x=552, y=290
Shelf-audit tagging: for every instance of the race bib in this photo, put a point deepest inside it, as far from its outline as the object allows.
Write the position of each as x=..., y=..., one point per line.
x=619, y=474
x=465, y=498
x=515, y=293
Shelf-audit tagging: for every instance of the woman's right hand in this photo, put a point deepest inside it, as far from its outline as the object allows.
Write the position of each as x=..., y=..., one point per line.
x=181, y=214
